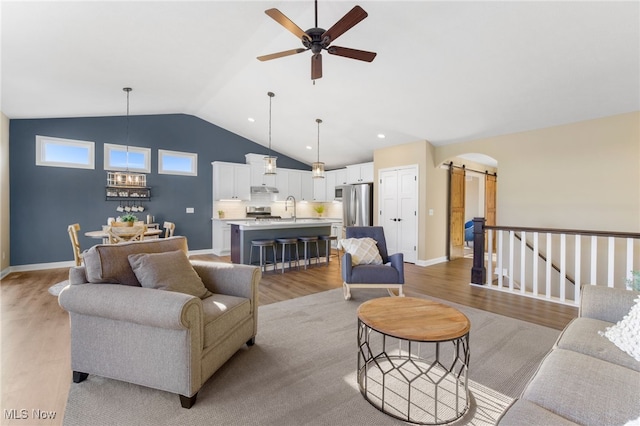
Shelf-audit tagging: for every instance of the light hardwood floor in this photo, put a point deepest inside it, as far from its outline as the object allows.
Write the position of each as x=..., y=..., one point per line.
x=34, y=343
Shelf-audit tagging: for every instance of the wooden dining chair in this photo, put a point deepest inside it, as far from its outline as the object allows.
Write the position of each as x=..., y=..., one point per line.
x=120, y=234
x=75, y=243
x=169, y=227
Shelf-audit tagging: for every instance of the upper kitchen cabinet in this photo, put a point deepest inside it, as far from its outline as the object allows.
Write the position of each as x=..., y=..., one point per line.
x=319, y=189
x=231, y=181
x=330, y=181
x=341, y=176
x=306, y=186
x=282, y=183
x=258, y=178
x=359, y=173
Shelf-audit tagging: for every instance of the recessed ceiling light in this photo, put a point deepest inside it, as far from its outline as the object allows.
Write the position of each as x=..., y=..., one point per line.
x=381, y=136
x=308, y=147
x=251, y=119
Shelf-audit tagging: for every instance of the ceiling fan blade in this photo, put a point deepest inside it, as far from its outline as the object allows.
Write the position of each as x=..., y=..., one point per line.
x=316, y=66
x=281, y=54
x=361, y=55
x=281, y=19
x=347, y=22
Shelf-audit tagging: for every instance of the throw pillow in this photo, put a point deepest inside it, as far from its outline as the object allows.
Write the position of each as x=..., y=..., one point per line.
x=364, y=251
x=626, y=333
x=169, y=271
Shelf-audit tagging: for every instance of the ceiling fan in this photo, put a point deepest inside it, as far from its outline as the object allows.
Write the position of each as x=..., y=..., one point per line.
x=318, y=39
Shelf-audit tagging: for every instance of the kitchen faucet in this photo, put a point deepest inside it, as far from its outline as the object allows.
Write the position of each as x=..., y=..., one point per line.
x=286, y=202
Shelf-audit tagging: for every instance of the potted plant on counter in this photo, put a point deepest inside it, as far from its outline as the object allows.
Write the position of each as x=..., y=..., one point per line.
x=221, y=214
x=319, y=209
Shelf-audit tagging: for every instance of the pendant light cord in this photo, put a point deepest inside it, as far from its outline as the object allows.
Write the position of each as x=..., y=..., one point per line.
x=128, y=90
x=271, y=95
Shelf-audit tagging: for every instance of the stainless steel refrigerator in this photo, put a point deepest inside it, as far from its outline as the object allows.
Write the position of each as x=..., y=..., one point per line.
x=357, y=205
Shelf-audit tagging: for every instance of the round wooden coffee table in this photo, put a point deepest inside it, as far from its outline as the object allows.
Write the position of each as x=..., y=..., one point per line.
x=413, y=359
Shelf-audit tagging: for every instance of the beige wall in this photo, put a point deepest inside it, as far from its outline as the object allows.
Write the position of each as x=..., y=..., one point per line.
x=4, y=192
x=432, y=183
x=582, y=175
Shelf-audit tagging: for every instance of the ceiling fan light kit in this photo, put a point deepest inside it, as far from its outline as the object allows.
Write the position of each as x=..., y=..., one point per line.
x=317, y=39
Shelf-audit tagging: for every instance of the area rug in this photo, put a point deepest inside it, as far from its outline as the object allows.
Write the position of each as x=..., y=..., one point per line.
x=302, y=372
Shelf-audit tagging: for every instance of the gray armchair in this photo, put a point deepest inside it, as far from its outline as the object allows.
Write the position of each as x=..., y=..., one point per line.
x=168, y=340
x=389, y=275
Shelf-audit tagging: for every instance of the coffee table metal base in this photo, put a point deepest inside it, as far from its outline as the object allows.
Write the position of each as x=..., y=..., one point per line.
x=417, y=382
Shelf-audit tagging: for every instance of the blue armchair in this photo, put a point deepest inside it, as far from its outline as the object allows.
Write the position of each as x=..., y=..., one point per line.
x=468, y=232
x=389, y=275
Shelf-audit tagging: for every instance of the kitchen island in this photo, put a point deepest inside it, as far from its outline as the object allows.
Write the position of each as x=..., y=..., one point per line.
x=243, y=232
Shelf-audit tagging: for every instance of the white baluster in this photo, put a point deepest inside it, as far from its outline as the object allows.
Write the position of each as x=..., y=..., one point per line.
x=511, y=245
x=523, y=262
x=594, y=260
x=576, y=287
x=563, y=266
x=536, y=255
x=611, y=263
x=548, y=278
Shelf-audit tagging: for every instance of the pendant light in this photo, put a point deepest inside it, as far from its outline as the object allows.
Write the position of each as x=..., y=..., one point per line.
x=270, y=161
x=317, y=168
x=126, y=178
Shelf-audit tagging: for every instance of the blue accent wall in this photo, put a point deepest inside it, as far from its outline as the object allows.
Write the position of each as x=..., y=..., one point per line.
x=45, y=200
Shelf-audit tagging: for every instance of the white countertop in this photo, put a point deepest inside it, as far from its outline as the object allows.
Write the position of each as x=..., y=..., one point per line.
x=281, y=224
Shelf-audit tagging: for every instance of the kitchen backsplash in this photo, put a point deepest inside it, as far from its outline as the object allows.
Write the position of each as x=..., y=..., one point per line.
x=237, y=209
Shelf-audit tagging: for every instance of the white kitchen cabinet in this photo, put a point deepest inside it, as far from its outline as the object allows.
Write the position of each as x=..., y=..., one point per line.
x=319, y=189
x=330, y=183
x=306, y=186
x=221, y=238
x=341, y=176
x=258, y=178
x=295, y=185
x=282, y=183
x=231, y=181
x=360, y=173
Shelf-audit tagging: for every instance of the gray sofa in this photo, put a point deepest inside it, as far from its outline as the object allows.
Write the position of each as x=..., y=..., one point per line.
x=585, y=379
x=125, y=327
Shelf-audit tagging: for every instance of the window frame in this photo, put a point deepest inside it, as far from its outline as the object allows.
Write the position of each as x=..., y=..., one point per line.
x=180, y=154
x=43, y=141
x=110, y=147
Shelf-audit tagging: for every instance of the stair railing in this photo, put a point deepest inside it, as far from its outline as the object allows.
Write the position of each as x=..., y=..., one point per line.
x=551, y=264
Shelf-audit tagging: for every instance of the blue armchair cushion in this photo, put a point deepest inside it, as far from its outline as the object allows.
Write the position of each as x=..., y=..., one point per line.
x=371, y=274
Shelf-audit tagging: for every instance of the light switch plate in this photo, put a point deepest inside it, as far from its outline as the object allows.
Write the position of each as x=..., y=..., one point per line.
x=190, y=210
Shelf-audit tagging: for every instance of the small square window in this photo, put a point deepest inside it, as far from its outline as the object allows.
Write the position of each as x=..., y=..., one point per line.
x=123, y=157
x=57, y=152
x=177, y=163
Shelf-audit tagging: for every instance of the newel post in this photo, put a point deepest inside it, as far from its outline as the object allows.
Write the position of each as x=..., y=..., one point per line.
x=478, y=272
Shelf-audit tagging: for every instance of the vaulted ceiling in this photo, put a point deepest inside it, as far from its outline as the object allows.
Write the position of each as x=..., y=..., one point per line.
x=445, y=72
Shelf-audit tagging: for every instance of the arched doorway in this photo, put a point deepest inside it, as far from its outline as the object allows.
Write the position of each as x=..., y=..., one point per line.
x=472, y=193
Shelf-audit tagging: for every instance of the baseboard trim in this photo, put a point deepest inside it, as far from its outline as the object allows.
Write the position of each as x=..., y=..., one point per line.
x=430, y=262
x=5, y=272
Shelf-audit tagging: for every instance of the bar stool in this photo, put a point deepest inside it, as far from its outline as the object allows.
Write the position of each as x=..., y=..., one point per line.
x=289, y=242
x=327, y=240
x=262, y=246
x=307, y=241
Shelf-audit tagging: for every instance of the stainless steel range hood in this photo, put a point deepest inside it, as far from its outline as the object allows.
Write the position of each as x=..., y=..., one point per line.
x=264, y=190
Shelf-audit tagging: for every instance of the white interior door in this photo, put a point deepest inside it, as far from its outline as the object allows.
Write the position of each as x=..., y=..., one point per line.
x=407, y=213
x=389, y=208
x=398, y=200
